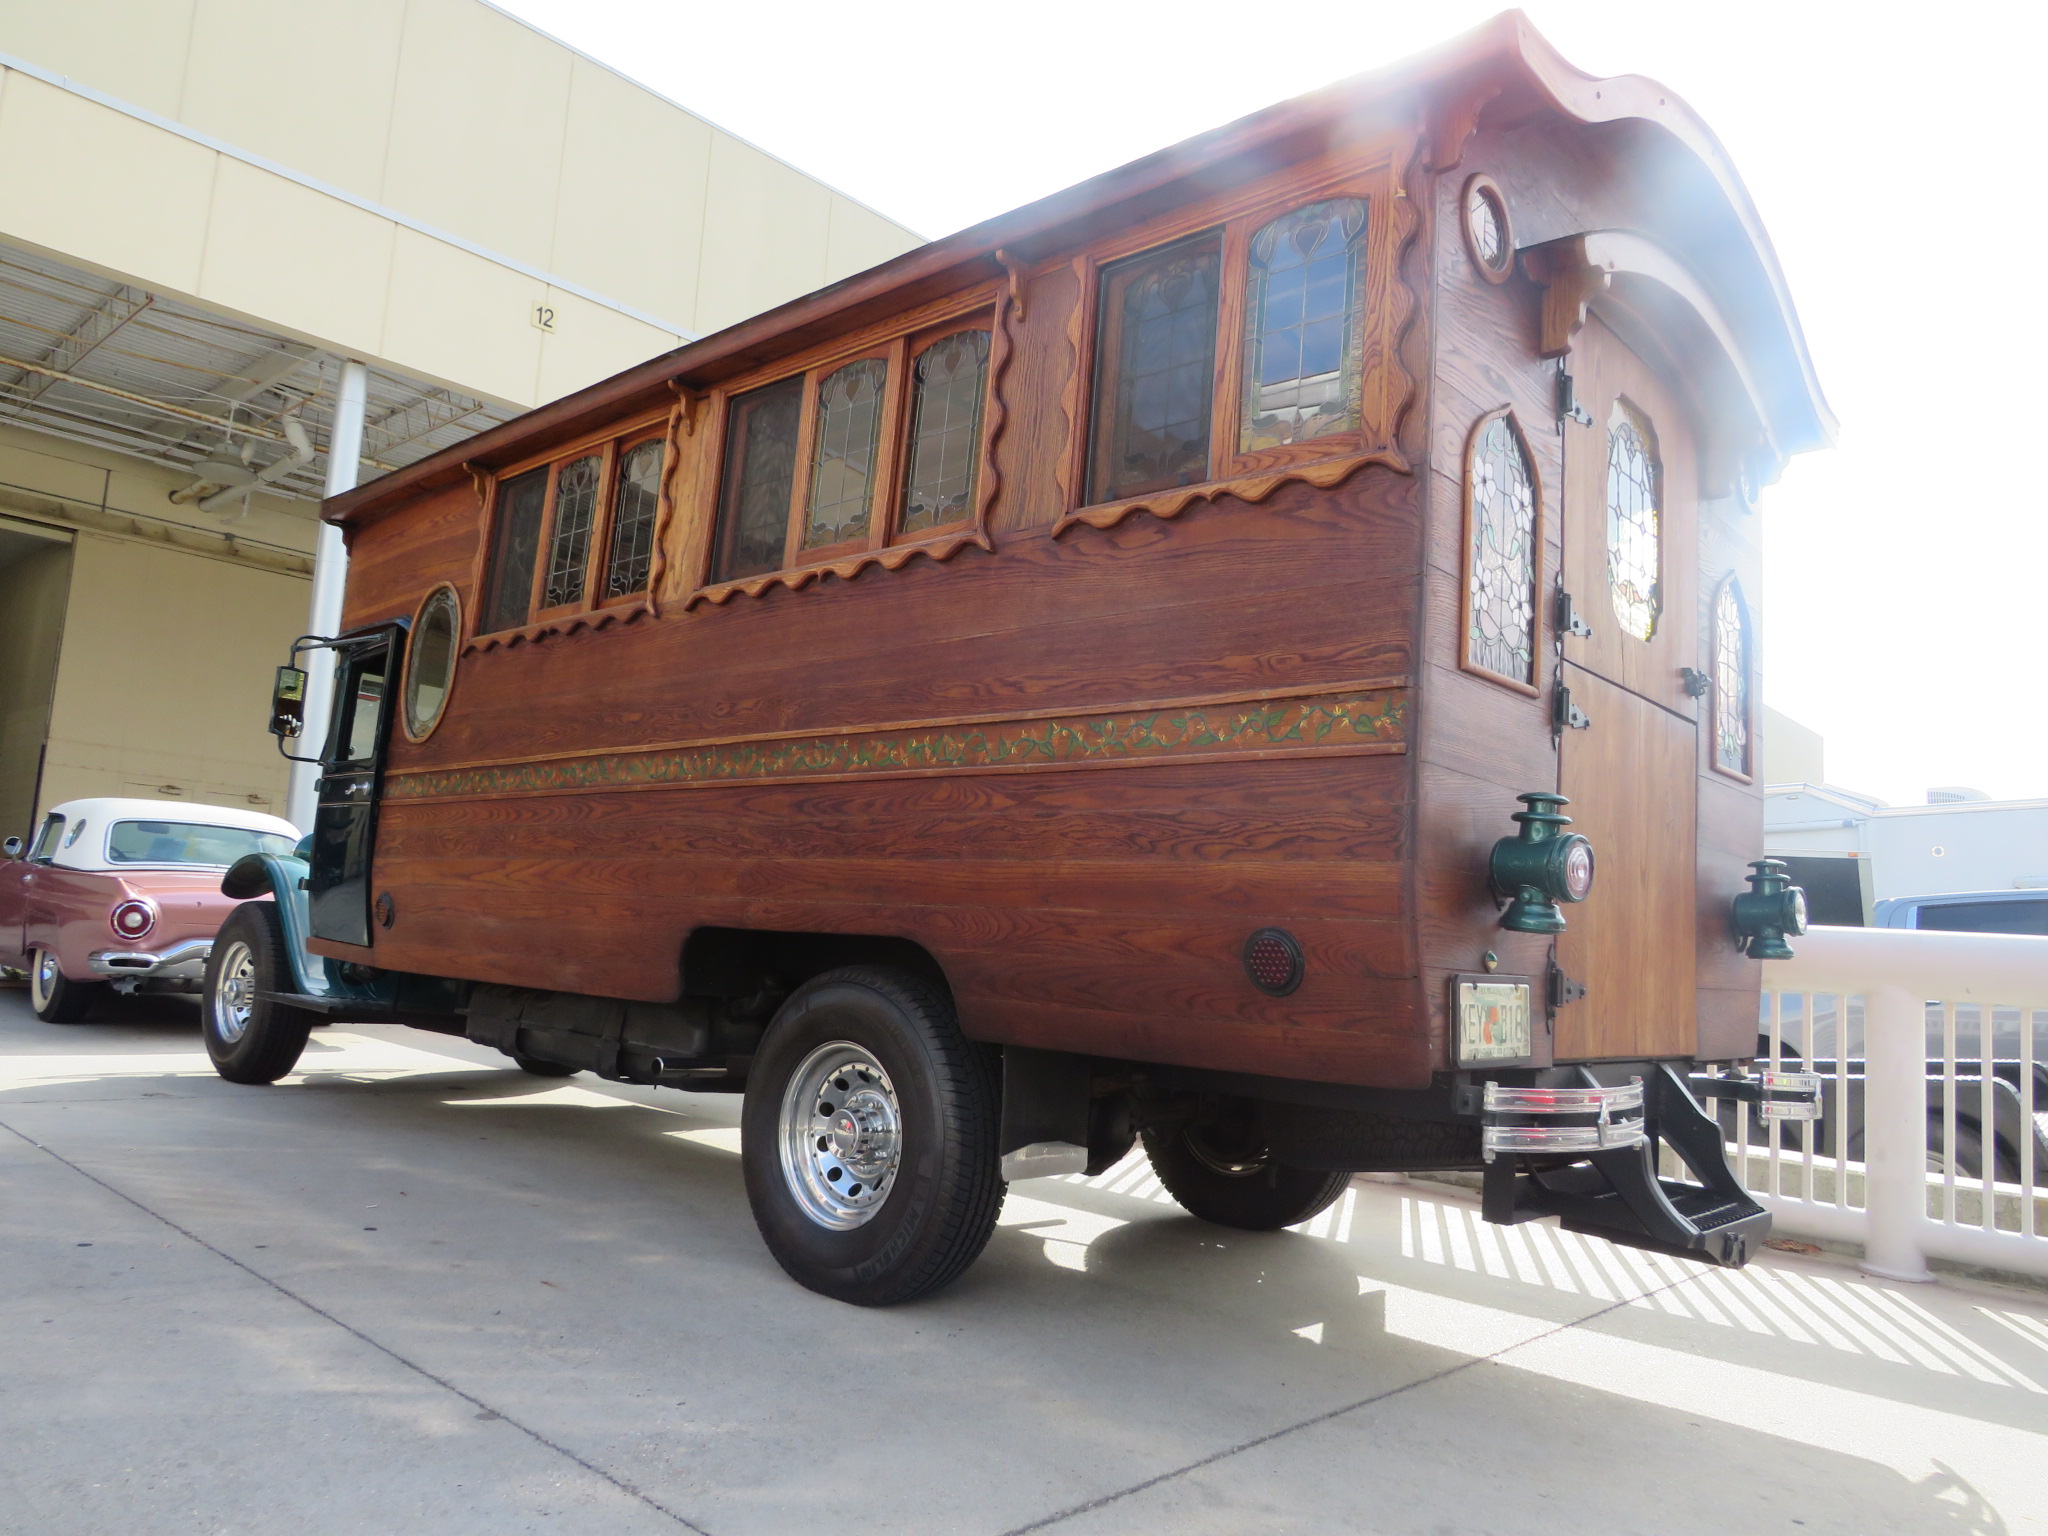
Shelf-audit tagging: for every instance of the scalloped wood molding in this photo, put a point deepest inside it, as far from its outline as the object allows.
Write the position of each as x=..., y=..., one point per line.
x=1167, y=505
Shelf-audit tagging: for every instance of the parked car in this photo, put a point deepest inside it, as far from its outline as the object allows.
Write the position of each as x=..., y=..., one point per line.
x=122, y=895
x=1997, y=1096
x=2018, y=911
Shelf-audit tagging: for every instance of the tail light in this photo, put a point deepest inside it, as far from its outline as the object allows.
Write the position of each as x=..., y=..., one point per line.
x=132, y=920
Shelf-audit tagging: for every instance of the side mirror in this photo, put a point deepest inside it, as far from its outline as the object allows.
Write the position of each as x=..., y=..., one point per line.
x=12, y=848
x=288, y=704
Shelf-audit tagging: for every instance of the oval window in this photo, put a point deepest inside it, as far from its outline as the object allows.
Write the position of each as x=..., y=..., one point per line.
x=430, y=662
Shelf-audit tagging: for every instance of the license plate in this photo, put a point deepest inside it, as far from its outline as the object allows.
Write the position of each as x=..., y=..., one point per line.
x=1493, y=1021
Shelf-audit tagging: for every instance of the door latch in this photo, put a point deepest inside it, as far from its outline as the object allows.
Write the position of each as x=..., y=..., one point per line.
x=1566, y=619
x=1568, y=407
x=1565, y=715
x=1563, y=990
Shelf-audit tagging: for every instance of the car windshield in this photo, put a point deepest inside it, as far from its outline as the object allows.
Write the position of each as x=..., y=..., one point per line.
x=187, y=842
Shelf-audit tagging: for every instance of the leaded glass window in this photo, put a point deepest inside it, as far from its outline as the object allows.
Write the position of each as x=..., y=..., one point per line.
x=759, y=478
x=636, y=501
x=575, y=516
x=949, y=379
x=515, y=546
x=1156, y=374
x=843, y=458
x=1634, y=522
x=1501, y=563
x=1303, y=368
x=1731, y=680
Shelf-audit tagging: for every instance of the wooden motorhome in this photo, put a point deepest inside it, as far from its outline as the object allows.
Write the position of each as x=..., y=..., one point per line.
x=1083, y=672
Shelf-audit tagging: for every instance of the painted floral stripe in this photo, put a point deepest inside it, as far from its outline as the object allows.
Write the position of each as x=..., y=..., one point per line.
x=1329, y=722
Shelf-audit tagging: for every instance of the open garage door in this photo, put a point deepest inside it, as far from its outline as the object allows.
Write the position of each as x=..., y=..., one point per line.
x=35, y=587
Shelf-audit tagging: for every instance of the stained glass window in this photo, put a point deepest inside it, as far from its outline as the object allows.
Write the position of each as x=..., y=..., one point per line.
x=575, y=514
x=1731, y=680
x=1501, y=564
x=949, y=377
x=1633, y=525
x=760, y=475
x=515, y=545
x=1156, y=374
x=635, y=502
x=1489, y=229
x=843, y=460
x=1303, y=366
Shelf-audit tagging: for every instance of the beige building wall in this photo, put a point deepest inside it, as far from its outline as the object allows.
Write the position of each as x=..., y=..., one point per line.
x=32, y=592
x=186, y=644
x=404, y=181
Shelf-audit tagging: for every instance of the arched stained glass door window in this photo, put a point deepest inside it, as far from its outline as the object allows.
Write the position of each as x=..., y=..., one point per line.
x=1634, y=523
x=575, y=515
x=1731, y=680
x=1500, y=556
x=1303, y=364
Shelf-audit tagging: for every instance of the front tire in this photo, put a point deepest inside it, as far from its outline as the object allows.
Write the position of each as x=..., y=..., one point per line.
x=1218, y=1168
x=534, y=1066
x=868, y=1138
x=250, y=1039
x=56, y=998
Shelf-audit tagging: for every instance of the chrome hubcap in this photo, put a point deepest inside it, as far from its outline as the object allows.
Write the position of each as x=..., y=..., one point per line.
x=841, y=1135
x=234, y=993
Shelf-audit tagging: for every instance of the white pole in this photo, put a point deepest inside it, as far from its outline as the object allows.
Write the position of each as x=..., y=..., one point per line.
x=1894, y=1131
x=330, y=574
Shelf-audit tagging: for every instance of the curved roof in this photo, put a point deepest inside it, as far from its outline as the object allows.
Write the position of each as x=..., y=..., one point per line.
x=100, y=812
x=1502, y=70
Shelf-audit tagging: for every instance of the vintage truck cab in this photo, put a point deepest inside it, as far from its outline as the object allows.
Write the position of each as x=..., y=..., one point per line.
x=1255, y=652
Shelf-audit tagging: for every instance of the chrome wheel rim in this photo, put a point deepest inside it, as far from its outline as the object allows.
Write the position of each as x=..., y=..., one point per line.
x=234, y=993
x=43, y=977
x=1231, y=1165
x=841, y=1136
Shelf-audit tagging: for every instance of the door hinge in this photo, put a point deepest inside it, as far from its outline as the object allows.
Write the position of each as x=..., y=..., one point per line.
x=1568, y=407
x=1566, y=619
x=1565, y=715
x=1563, y=989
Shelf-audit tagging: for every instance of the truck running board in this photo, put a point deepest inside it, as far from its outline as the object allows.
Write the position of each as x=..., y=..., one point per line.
x=1616, y=1192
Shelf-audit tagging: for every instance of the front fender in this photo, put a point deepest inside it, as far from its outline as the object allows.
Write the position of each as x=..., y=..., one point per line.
x=283, y=878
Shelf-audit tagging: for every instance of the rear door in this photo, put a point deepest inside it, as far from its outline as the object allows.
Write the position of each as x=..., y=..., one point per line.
x=351, y=782
x=1628, y=760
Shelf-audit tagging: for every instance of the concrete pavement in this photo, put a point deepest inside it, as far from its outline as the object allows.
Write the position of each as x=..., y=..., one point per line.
x=413, y=1290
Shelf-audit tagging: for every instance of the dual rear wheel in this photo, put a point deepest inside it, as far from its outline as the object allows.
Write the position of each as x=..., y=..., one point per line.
x=869, y=1143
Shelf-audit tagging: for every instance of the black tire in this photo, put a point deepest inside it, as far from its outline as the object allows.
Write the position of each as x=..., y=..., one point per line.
x=932, y=1199
x=1218, y=1168
x=533, y=1066
x=249, y=1039
x=2005, y=1168
x=56, y=998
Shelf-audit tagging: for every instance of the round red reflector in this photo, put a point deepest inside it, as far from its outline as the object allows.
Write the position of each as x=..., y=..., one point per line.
x=1578, y=871
x=1273, y=960
x=132, y=919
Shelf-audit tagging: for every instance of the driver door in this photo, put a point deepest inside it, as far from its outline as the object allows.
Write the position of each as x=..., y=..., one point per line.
x=351, y=782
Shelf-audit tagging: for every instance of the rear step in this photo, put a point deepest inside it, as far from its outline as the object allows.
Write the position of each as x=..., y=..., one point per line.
x=1612, y=1189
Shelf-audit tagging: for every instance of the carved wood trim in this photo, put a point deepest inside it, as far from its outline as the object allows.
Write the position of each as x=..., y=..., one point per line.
x=891, y=557
x=1167, y=505
x=1452, y=126
x=1366, y=715
x=683, y=411
x=484, y=482
x=1570, y=284
x=624, y=612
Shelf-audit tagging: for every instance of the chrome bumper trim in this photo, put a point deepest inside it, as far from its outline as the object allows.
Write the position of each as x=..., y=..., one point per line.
x=184, y=961
x=1568, y=1120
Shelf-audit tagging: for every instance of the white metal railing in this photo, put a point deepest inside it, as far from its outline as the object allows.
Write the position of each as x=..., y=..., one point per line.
x=1928, y=1145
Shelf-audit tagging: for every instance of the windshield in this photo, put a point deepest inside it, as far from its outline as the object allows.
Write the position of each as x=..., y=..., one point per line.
x=187, y=842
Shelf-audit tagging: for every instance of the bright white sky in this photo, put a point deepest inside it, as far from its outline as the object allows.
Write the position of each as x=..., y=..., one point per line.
x=1895, y=152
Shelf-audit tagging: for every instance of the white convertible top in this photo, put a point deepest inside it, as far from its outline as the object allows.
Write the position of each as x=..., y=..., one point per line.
x=89, y=851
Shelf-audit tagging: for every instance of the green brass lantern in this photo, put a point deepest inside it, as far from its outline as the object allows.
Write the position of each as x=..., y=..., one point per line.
x=1771, y=910
x=1540, y=866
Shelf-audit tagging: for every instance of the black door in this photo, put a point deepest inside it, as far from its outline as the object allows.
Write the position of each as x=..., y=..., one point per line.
x=352, y=764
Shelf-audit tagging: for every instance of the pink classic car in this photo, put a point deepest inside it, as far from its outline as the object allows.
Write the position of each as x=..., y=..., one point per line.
x=122, y=894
